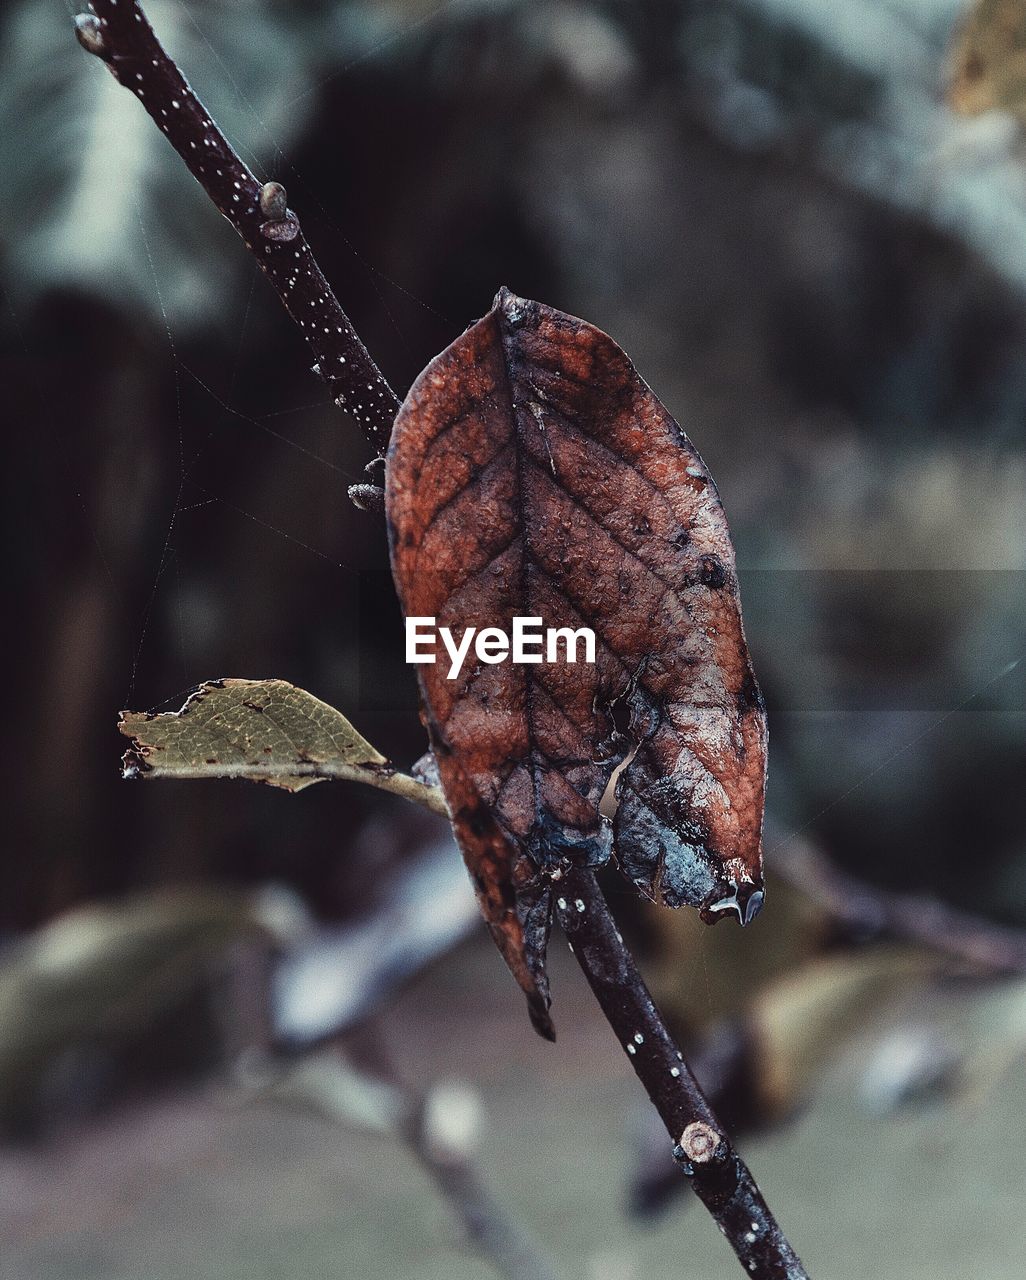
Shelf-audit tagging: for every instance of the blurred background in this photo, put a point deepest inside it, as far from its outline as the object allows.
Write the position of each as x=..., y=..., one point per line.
x=806, y=224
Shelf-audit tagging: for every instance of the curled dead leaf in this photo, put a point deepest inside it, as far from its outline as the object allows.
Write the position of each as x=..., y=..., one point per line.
x=533, y=473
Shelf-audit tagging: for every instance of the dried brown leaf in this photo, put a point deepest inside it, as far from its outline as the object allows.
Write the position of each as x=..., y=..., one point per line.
x=533, y=473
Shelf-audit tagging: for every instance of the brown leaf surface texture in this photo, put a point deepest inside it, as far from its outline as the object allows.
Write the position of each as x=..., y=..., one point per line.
x=532, y=472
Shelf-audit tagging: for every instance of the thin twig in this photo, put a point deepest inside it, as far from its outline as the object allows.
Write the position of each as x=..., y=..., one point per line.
x=282, y=773
x=719, y=1176
x=118, y=32
x=490, y=1228
x=343, y=1090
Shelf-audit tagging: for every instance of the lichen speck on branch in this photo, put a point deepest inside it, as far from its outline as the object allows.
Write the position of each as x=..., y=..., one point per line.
x=118, y=33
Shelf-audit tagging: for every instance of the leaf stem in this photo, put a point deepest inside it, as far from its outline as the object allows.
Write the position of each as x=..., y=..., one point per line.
x=717, y=1173
x=118, y=32
x=385, y=779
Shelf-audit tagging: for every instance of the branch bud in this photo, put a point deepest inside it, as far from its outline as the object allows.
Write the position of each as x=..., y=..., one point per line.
x=273, y=201
x=89, y=32
x=700, y=1142
x=368, y=497
x=286, y=229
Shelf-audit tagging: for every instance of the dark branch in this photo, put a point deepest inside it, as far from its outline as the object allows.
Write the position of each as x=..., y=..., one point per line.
x=118, y=33
x=701, y=1147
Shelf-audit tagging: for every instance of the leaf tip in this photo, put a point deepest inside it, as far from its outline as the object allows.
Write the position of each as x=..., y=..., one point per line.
x=511, y=307
x=89, y=33
x=746, y=899
x=541, y=1019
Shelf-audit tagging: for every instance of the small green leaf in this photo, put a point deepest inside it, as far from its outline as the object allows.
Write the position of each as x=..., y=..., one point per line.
x=264, y=731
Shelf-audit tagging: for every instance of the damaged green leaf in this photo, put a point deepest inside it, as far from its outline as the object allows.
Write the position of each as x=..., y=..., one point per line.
x=262, y=731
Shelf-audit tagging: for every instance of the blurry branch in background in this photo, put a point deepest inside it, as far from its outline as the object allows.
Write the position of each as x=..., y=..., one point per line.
x=440, y=1126
x=121, y=37
x=913, y=917
x=99, y=977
